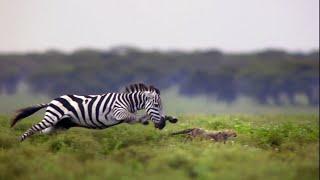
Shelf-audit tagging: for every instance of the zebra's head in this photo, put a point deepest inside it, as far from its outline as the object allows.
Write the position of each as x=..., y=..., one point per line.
x=152, y=102
x=154, y=109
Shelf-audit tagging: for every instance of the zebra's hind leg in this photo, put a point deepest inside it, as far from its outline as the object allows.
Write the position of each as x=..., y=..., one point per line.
x=49, y=130
x=63, y=125
x=44, y=124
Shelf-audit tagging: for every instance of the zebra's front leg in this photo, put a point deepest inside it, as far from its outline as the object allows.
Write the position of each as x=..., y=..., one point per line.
x=144, y=119
x=125, y=116
x=171, y=119
x=132, y=121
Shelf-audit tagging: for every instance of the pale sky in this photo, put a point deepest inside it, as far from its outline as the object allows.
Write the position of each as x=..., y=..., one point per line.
x=228, y=25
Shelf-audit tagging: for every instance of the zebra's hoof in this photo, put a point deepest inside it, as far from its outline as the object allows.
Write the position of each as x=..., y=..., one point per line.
x=173, y=120
x=20, y=139
x=145, y=123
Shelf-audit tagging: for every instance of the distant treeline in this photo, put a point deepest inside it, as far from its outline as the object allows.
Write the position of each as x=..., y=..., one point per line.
x=264, y=75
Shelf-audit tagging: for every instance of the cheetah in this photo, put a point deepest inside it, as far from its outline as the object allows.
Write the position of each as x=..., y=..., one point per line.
x=217, y=136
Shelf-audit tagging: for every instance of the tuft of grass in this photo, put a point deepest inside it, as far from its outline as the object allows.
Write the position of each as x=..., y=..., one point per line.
x=267, y=147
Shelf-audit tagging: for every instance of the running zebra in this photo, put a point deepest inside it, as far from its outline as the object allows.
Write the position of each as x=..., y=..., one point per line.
x=98, y=111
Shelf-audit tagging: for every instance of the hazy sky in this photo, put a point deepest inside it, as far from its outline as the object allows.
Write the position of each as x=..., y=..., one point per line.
x=229, y=25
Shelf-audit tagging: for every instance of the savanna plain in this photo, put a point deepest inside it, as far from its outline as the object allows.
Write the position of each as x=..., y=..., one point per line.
x=267, y=147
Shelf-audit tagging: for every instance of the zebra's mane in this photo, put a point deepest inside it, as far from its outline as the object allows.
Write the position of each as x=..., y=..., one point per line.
x=139, y=87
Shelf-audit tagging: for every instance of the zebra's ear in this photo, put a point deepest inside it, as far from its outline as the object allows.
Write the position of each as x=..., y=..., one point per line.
x=150, y=94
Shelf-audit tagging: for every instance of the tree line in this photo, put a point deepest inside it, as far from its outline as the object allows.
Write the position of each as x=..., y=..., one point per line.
x=264, y=75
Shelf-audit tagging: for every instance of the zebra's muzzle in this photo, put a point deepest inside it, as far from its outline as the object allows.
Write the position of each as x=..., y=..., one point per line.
x=161, y=124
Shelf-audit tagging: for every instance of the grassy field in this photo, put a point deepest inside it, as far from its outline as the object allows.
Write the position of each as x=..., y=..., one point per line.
x=267, y=147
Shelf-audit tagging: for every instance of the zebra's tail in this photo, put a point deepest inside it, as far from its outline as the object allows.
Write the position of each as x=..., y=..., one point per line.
x=183, y=131
x=25, y=112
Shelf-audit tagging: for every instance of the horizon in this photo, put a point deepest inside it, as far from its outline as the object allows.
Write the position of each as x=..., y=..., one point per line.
x=312, y=50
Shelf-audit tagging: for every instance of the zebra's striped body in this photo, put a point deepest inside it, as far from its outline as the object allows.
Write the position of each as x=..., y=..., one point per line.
x=94, y=111
x=97, y=111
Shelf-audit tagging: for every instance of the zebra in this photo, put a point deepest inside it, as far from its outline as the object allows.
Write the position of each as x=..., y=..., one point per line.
x=98, y=111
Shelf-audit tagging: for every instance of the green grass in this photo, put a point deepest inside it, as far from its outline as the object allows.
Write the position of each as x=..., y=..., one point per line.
x=267, y=147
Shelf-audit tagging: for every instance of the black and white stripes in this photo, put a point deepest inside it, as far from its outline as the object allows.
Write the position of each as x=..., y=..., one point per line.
x=97, y=111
